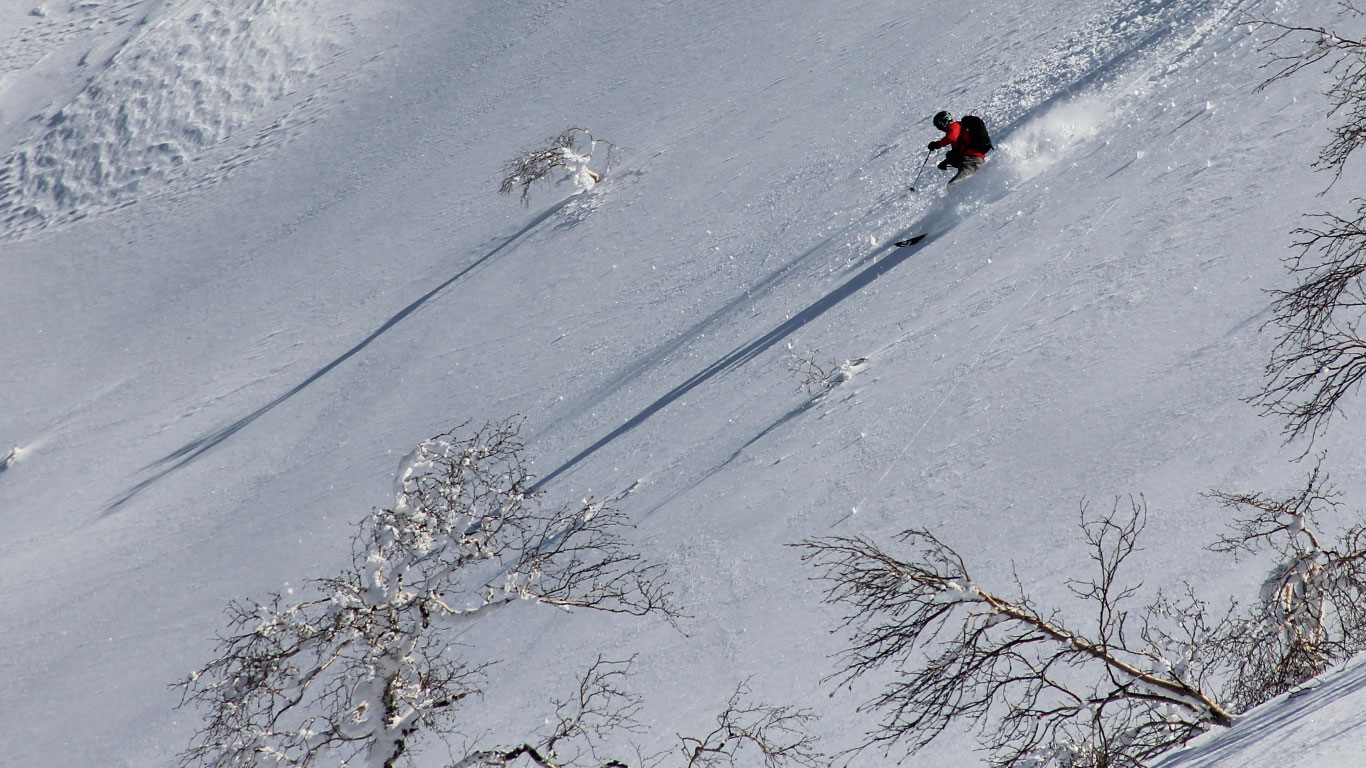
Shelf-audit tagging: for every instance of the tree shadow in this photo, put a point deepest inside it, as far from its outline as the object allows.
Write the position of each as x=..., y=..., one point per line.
x=744, y=354
x=194, y=449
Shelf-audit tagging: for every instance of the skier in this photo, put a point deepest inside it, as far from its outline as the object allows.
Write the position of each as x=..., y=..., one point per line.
x=969, y=144
x=967, y=151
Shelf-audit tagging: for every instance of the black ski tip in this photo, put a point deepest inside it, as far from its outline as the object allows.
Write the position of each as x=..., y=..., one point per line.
x=911, y=240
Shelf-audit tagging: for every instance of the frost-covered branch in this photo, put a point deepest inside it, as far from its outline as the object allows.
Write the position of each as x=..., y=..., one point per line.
x=1041, y=692
x=356, y=670
x=572, y=150
x=1312, y=609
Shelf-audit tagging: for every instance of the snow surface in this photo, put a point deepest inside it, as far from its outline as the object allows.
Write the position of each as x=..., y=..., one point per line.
x=253, y=254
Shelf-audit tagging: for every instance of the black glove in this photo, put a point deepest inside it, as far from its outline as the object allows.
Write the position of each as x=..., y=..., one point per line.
x=932, y=146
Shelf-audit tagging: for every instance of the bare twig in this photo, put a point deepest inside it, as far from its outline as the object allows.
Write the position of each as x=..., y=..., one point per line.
x=777, y=736
x=819, y=378
x=601, y=706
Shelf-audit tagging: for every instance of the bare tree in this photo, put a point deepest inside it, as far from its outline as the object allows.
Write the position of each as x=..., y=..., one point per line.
x=358, y=667
x=1312, y=609
x=601, y=706
x=571, y=150
x=1321, y=354
x=1043, y=693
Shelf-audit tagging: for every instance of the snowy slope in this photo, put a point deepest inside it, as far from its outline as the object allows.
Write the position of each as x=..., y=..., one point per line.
x=1318, y=723
x=253, y=254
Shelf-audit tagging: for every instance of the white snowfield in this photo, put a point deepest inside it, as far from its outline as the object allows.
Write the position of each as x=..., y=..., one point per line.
x=252, y=253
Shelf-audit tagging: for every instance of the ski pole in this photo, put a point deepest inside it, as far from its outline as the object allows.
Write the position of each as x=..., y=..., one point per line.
x=922, y=169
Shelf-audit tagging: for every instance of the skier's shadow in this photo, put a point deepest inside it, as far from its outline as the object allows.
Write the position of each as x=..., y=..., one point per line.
x=744, y=354
x=194, y=449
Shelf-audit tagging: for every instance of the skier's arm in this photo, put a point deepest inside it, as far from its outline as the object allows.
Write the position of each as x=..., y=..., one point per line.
x=950, y=136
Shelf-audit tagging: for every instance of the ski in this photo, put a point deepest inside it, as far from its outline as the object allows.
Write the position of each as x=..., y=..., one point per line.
x=911, y=240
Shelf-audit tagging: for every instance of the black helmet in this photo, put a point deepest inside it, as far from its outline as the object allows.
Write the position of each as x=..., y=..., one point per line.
x=942, y=120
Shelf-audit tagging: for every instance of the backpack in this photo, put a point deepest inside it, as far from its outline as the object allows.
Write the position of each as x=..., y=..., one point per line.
x=978, y=138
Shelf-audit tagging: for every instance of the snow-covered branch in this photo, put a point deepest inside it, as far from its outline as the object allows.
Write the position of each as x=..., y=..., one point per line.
x=571, y=150
x=359, y=668
x=1311, y=612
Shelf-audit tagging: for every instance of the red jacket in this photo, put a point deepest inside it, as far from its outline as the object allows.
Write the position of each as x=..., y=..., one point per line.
x=957, y=135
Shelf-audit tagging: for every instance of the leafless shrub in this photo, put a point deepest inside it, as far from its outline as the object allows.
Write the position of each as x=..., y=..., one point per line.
x=1129, y=686
x=363, y=663
x=815, y=377
x=1312, y=609
x=572, y=150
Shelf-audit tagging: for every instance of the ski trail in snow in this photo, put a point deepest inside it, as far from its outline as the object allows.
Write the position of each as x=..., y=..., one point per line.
x=1047, y=133
x=986, y=350
x=1031, y=140
x=1068, y=98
